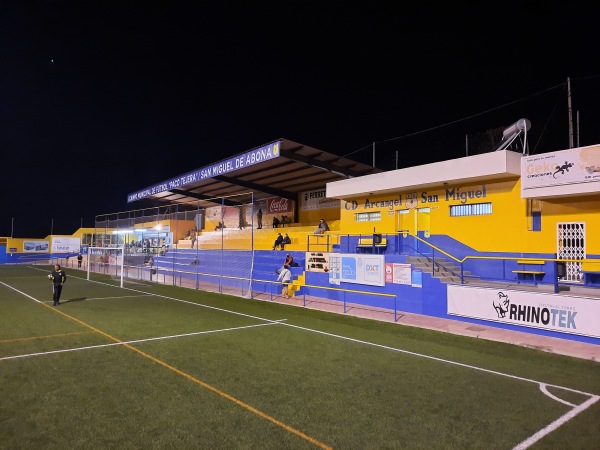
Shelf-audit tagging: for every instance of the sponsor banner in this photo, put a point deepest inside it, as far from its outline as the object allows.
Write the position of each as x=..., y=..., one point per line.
x=572, y=166
x=276, y=205
x=335, y=269
x=250, y=158
x=416, y=279
x=563, y=313
x=35, y=246
x=316, y=199
x=64, y=244
x=317, y=262
x=358, y=269
x=398, y=273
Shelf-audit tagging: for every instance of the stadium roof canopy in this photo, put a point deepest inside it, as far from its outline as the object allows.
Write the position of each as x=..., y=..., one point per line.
x=281, y=168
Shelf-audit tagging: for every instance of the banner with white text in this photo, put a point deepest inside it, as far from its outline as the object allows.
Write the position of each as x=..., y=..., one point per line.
x=563, y=313
x=358, y=269
x=572, y=166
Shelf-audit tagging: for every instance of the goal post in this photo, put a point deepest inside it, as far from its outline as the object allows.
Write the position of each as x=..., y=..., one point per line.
x=106, y=260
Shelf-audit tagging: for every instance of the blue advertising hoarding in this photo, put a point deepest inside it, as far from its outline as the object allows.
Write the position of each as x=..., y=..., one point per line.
x=249, y=158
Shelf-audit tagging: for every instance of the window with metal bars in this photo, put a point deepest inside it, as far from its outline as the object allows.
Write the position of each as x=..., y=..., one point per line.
x=474, y=209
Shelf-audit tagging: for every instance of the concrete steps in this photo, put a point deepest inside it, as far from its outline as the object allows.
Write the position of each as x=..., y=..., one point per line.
x=445, y=271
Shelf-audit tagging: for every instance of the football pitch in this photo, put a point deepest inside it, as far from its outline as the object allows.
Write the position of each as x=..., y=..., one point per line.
x=154, y=366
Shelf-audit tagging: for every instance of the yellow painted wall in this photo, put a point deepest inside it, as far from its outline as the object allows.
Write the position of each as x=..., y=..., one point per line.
x=507, y=229
x=313, y=216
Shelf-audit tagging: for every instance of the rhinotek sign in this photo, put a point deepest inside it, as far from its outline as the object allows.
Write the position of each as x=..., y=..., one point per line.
x=563, y=313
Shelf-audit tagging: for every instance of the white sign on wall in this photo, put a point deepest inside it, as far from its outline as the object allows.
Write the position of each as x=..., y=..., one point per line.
x=35, y=246
x=358, y=269
x=572, y=166
x=317, y=262
x=563, y=313
x=316, y=199
x=66, y=245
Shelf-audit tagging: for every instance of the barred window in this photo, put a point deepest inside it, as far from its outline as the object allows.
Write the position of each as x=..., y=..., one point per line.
x=368, y=217
x=475, y=209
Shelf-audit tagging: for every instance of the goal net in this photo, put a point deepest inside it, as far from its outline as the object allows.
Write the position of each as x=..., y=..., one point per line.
x=107, y=261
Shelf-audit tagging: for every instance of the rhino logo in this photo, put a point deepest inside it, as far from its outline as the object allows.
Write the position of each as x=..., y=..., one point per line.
x=501, y=305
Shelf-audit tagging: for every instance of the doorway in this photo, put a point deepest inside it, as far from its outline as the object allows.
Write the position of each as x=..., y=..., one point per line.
x=570, y=244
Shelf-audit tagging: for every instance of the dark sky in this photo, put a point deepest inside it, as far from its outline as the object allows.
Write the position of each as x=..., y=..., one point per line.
x=99, y=99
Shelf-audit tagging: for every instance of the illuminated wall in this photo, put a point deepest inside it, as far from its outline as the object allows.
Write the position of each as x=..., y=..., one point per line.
x=509, y=227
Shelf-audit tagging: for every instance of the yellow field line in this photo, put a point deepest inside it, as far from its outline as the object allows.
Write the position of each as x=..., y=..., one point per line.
x=42, y=337
x=199, y=382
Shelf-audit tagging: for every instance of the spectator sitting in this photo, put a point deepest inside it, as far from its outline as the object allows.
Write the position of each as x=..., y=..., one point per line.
x=275, y=222
x=284, y=220
x=289, y=261
x=322, y=228
x=220, y=226
x=194, y=262
x=278, y=242
x=150, y=261
x=286, y=240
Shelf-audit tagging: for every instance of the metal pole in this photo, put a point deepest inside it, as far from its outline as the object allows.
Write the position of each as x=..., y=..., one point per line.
x=578, y=145
x=570, y=112
x=373, y=154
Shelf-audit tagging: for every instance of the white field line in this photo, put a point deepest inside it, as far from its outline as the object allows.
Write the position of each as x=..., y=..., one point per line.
x=539, y=383
x=557, y=423
x=137, y=341
x=123, y=296
x=553, y=426
x=101, y=298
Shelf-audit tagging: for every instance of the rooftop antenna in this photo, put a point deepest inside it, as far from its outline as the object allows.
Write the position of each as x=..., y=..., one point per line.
x=511, y=134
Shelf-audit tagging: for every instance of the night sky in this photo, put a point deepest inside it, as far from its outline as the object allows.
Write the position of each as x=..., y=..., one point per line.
x=99, y=99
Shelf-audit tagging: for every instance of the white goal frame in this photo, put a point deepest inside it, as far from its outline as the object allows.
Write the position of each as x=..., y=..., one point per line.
x=117, y=262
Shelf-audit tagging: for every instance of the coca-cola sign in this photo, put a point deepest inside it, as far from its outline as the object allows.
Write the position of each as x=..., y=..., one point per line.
x=278, y=205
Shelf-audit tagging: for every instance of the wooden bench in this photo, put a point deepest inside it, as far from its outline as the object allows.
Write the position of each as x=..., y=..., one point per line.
x=527, y=268
x=367, y=244
x=591, y=271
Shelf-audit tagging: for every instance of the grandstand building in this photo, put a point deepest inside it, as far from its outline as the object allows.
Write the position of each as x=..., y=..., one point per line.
x=501, y=239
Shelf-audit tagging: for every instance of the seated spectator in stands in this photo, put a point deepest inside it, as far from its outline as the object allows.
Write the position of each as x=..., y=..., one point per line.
x=322, y=228
x=284, y=220
x=150, y=261
x=276, y=222
x=187, y=235
x=278, y=241
x=289, y=261
x=194, y=262
x=220, y=226
x=286, y=240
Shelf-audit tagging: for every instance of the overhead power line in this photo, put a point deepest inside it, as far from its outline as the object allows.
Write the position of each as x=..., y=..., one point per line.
x=437, y=127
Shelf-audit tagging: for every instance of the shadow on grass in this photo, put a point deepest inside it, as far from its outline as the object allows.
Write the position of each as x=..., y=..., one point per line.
x=71, y=300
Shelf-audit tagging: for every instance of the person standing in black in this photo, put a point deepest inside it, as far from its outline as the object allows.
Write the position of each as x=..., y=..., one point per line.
x=259, y=217
x=58, y=278
x=79, y=259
